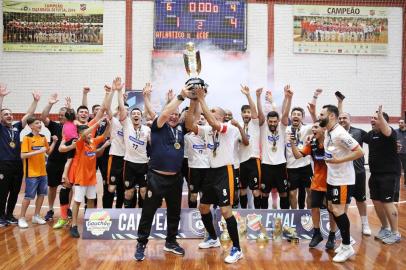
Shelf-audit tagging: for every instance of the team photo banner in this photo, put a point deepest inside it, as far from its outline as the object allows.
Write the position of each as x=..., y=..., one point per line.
x=340, y=30
x=46, y=26
x=121, y=224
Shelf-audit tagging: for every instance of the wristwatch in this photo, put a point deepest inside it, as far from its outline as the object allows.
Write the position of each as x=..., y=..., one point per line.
x=180, y=97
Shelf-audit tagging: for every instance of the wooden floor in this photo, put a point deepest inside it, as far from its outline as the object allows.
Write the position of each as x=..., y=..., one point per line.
x=41, y=247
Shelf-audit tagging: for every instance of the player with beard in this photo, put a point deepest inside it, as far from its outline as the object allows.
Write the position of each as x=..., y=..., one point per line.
x=164, y=177
x=136, y=138
x=299, y=170
x=273, y=151
x=11, y=166
x=315, y=148
x=385, y=170
x=249, y=155
x=217, y=187
x=340, y=150
x=359, y=189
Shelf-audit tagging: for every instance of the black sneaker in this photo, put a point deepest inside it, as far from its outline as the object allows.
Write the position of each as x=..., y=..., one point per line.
x=69, y=213
x=139, y=252
x=174, y=248
x=3, y=222
x=74, y=232
x=331, y=242
x=316, y=239
x=49, y=215
x=11, y=219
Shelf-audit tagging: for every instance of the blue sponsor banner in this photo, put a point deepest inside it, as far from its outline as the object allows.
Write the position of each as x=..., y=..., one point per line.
x=120, y=224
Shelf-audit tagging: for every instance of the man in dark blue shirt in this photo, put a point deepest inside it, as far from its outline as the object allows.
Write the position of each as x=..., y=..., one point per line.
x=11, y=168
x=164, y=176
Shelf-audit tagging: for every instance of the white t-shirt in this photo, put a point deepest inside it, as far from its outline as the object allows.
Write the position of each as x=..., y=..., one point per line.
x=236, y=150
x=339, y=143
x=267, y=141
x=135, y=142
x=117, y=147
x=222, y=142
x=302, y=133
x=196, y=150
x=252, y=150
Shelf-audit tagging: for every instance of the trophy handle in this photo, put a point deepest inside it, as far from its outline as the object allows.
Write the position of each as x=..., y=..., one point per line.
x=199, y=62
x=186, y=61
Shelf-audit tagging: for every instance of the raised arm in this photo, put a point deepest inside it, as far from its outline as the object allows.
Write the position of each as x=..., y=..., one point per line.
x=45, y=112
x=246, y=92
x=172, y=106
x=261, y=116
x=52, y=146
x=31, y=110
x=211, y=119
x=295, y=150
x=146, y=92
x=122, y=112
x=85, y=91
x=3, y=92
x=311, y=107
x=91, y=128
x=382, y=124
x=340, y=104
x=288, y=102
x=108, y=93
x=190, y=122
x=244, y=137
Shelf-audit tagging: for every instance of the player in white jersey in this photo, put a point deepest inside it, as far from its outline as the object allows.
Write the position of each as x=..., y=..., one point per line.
x=299, y=170
x=273, y=152
x=198, y=160
x=116, y=154
x=217, y=187
x=340, y=149
x=136, y=136
x=249, y=154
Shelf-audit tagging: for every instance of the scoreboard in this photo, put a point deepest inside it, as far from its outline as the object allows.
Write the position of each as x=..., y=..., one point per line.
x=219, y=22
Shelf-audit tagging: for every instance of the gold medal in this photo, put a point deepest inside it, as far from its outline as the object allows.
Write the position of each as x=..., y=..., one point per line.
x=274, y=148
x=12, y=144
x=176, y=145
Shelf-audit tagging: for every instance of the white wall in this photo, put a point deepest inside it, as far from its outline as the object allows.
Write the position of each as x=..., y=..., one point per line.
x=366, y=81
x=65, y=73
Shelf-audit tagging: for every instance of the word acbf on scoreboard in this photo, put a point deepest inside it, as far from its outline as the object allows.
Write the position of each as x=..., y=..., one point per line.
x=219, y=22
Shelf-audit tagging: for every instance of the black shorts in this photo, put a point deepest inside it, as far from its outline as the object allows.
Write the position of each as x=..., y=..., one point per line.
x=318, y=199
x=115, y=167
x=196, y=177
x=339, y=194
x=54, y=172
x=382, y=186
x=250, y=174
x=135, y=174
x=236, y=179
x=274, y=176
x=218, y=186
x=300, y=177
x=359, y=192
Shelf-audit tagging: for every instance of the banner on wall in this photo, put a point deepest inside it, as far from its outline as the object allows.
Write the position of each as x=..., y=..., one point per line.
x=120, y=224
x=340, y=30
x=46, y=26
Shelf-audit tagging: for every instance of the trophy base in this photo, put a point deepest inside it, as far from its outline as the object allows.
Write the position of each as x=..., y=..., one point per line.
x=196, y=82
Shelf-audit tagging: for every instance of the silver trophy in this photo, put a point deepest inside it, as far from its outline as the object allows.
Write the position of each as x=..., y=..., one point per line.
x=193, y=66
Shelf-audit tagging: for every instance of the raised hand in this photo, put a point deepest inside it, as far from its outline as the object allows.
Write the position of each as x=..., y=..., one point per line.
x=317, y=92
x=288, y=91
x=54, y=138
x=199, y=91
x=3, y=90
x=234, y=122
x=311, y=108
x=53, y=98
x=170, y=95
x=36, y=96
x=117, y=85
x=259, y=92
x=268, y=96
x=147, y=90
x=245, y=90
x=107, y=88
x=68, y=102
x=86, y=90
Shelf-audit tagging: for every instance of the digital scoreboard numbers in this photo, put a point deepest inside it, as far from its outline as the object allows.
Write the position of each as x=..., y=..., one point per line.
x=219, y=22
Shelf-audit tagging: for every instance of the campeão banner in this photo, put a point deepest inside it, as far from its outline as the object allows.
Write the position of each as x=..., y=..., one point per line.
x=340, y=30
x=46, y=26
x=120, y=224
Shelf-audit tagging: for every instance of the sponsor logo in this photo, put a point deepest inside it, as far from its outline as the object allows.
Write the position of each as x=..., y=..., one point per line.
x=224, y=192
x=273, y=138
x=197, y=226
x=307, y=223
x=254, y=222
x=90, y=154
x=120, y=133
x=136, y=140
x=36, y=147
x=98, y=223
x=199, y=146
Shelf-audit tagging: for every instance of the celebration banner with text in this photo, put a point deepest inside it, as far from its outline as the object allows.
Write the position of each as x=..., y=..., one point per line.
x=340, y=30
x=46, y=26
x=117, y=224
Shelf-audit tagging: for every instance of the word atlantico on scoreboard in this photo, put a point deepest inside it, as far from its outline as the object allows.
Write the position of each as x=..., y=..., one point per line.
x=218, y=22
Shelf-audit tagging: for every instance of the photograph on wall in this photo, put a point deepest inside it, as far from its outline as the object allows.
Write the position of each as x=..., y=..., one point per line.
x=44, y=26
x=340, y=30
